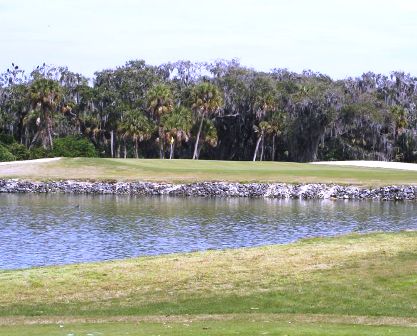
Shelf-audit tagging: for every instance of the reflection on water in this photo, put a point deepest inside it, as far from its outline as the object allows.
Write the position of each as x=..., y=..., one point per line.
x=58, y=229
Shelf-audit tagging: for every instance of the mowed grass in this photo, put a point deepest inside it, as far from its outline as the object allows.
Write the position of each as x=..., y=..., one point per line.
x=248, y=327
x=188, y=171
x=355, y=284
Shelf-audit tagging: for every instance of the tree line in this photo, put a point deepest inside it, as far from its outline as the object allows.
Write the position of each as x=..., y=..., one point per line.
x=220, y=110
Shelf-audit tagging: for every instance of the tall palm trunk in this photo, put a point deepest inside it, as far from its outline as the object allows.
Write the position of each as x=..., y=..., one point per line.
x=262, y=149
x=124, y=149
x=35, y=138
x=112, y=143
x=195, y=154
x=21, y=130
x=171, y=151
x=27, y=139
x=44, y=133
x=273, y=148
x=48, y=130
x=257, y=147
x=161, y=143
x=136, y=149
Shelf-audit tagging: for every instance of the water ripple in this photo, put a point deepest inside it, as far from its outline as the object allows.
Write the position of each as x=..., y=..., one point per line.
x=37, y=230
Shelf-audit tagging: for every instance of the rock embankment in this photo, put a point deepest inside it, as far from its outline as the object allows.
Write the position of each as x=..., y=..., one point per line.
x=213, y=189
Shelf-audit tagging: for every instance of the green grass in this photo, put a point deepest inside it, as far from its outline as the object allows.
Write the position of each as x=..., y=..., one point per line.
x=355, y=284
x=234, y=327
x=186, y=171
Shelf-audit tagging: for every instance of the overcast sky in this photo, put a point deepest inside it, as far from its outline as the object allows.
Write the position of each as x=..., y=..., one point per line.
x=335, y=37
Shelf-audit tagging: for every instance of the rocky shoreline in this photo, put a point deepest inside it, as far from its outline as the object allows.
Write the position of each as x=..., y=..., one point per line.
x=213, y=189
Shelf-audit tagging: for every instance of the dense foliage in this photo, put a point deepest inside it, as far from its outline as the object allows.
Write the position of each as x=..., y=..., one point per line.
x=73, y=146
x=5, y=154
x=220, y=110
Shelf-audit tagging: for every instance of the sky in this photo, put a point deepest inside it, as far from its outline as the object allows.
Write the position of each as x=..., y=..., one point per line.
x=340, y=38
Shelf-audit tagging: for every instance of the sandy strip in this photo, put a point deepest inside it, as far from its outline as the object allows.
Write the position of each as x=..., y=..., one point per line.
x=29, y=161
x=371, y=164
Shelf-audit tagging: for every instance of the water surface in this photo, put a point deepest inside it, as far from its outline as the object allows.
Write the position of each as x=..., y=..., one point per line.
x=37, y=230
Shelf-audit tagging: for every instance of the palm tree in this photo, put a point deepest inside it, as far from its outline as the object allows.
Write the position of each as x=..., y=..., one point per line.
x=207, y=100
x=177, y=126
x=263, y=128
x=45, y=96
x=276, y=122
x=160, y=102
x=264, y=103
x=136, y=126
x=210, y=136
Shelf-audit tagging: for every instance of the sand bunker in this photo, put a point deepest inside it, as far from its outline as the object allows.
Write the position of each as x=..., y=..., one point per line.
x=373, y=164
x=28, y=161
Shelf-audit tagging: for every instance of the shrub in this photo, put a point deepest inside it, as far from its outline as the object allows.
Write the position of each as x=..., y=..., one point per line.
x=73, y=146
x=5, y=155
x=38, y=153
x=19, y=151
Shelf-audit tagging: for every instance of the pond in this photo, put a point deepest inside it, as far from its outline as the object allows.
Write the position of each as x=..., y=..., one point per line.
x=39, y=229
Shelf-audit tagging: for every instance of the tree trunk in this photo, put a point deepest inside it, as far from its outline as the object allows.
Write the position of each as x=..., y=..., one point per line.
x=171, y=151
x=257, y=147
x=199, y=151
x=161, y=151
x=262, y=148
x=21, y=130
x=27, y=139
x=136, y=149
x=118, y=150
x=161, y=143
x=273, y=148
x=51, y=145
x=195, y=154
x=34, y=140
x=124, y=149
x=44, y=138
x=49, y=131
x=111, y=143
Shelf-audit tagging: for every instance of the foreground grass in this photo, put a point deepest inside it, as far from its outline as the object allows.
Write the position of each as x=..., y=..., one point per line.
x=328, y=286
x=184, y=171
x=248, y=327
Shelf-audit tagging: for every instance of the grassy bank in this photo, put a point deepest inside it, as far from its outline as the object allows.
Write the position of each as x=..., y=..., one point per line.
x=184, y=171
x=348, y=284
